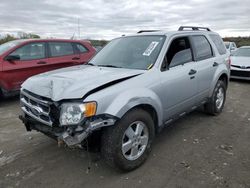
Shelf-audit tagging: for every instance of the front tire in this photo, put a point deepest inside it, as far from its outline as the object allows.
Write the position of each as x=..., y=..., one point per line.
x=1, y=94
x=127, y=144
x=217, y=101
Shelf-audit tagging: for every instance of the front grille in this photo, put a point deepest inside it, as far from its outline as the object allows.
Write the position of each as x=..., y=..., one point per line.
x=241, y=67
x=37, y=108
x=240, y=73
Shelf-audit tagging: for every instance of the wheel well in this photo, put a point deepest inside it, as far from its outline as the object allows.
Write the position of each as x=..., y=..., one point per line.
x=150, y=109
x=224, y=78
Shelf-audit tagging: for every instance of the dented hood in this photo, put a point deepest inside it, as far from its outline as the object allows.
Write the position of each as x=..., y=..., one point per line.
x=75, y=82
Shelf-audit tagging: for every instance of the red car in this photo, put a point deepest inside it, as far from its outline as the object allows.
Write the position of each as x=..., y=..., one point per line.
x=21, y=59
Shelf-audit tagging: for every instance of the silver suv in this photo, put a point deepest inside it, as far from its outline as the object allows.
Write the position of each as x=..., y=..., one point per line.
x=129, y=91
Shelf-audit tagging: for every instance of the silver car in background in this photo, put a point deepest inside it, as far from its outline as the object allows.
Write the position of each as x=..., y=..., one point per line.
x=240, y=63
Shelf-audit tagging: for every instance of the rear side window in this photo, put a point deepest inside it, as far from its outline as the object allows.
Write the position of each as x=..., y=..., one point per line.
x=202, y=48
x=219, y=44
x=30, y=51
x=81, y=48
x=60, y=49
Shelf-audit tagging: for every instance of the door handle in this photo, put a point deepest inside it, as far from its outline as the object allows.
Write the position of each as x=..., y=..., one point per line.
x=75, y=58
x=41, y=62
x=215, y=64
x=192, y=72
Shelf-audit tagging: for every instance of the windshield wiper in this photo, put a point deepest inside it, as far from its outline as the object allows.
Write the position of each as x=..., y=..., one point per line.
x=113, y=66
x=90, y=64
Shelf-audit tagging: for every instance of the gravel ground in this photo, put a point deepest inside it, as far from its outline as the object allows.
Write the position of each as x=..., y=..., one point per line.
x=196, y=151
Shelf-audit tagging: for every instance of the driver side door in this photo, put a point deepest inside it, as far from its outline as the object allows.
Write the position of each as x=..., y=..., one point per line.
x=178, y=79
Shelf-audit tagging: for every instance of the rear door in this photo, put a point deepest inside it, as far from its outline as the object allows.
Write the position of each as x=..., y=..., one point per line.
x=205, y=64
x=62, y=54
x=33, y=60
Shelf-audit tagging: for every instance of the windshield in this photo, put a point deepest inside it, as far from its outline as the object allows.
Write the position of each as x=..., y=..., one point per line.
x=8, y=45
x=227, y=44
x=243, y=52
x=136, y=52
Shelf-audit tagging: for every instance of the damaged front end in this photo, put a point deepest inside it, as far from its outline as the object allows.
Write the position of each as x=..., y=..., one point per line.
x=68, y=122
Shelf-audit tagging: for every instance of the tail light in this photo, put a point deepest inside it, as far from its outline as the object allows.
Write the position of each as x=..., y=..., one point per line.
x=228, y=61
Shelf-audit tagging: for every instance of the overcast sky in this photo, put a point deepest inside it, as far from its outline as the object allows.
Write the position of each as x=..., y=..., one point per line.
x=111, y=18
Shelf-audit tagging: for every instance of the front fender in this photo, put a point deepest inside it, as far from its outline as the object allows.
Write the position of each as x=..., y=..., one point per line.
x=134, y=97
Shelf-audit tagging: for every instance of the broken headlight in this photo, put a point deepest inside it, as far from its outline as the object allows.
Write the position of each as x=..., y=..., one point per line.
x=73, y=113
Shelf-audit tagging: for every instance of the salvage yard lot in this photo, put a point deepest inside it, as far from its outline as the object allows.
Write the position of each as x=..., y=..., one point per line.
x=196, y=151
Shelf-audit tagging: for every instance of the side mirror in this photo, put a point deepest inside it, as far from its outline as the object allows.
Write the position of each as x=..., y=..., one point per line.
x=12, y=58
x=232, y=48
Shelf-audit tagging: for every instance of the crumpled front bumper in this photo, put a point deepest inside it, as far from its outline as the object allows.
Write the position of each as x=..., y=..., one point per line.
x=70, y=135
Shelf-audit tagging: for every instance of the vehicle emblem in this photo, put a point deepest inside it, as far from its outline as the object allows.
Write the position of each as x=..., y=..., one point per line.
x=243, y=67
x=36, y=110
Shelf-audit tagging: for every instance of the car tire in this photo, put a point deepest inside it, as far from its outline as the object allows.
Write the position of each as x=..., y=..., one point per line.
x=117, y=139
x=216, y=103
x=1, y=94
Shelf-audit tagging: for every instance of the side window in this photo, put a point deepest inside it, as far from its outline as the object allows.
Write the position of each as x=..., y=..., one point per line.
x=202, y=47
x=179, y=52
x=219, y=44
x=81, y=48
x=60, y=49
x=30, y=51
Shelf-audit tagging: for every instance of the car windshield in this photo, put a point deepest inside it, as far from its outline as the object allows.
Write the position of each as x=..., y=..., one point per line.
x=8, y=45
x=243, y=52
x=227, y=45
x=135, y=52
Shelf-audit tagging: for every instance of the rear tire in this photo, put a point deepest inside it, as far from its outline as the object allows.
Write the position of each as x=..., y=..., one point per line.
x=217, y=101
x=127, y=144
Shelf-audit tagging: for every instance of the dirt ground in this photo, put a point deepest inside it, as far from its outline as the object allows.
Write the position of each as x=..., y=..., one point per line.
x=196, y=151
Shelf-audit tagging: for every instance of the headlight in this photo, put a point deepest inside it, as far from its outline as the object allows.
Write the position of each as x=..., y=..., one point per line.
x=73, y=113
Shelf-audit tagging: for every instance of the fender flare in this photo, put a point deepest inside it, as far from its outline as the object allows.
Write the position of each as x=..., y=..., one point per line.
x=219, y=72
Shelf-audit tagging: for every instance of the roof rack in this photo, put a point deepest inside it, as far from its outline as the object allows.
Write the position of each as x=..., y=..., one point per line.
x=144, y=31
x=181, y=28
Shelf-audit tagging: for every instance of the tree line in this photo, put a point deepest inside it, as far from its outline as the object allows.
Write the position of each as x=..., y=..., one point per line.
x=20, y=35
x=240, y=41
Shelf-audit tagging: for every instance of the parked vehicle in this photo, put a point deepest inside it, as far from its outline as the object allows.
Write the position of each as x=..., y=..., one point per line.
x=129, y=91
x=230, y=46
x=240, y=63
x=21, y=59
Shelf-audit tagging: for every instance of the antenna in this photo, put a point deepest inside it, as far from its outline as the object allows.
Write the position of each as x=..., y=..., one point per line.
x=79, y=34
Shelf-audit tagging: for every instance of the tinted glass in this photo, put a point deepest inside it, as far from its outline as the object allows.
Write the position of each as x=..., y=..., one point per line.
x=219, y=44
x=30, y=51
x=8, y=45
x=202, y=47
x=179, y=52
x=60, y=49
x=136, y=52
x=181, y=57
x=243, y=52
x=81, y=48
